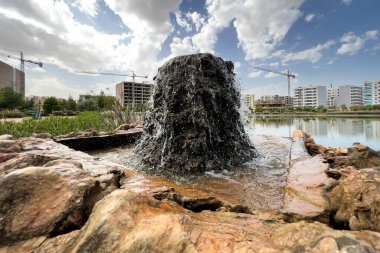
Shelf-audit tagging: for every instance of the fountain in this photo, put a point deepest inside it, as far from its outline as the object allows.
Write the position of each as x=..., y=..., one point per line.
x=194, y=124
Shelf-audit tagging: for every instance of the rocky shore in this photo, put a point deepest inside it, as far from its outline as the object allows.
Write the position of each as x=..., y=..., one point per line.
x=56, y=199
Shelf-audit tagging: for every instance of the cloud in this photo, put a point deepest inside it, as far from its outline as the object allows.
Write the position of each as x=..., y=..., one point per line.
x=48, y=30
x=346, y=2
x=271, y=75
x=89, y=7
x=52, y=86
x=197, y=19
x=255, y=73
x=312, y=55
x=182, y=22
x=352, y=43
x=258, y=36
x=309, y=17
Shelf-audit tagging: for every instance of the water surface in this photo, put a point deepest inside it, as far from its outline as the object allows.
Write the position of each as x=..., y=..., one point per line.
x=342, y=132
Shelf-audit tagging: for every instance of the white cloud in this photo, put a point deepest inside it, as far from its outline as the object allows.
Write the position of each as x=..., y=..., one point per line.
x=258, y=36
x=197, y=19
x=89, y=7
x=52, y=86
x=352, y=43
x=271, y=75
x=182, y=22
x=255, y=73
x=346, y=2
x=309, y=17
x=312, y=55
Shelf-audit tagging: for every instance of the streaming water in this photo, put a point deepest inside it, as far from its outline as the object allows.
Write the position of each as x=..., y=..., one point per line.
x=259, y=184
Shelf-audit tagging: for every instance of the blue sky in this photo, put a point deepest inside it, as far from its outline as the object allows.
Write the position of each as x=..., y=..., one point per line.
x=322, y=41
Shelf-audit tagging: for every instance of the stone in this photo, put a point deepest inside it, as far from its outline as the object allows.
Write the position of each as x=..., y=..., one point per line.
x=42, y=135
x=36, y=201
x=6, y=137
x=123, y=127
x=362, y=156
x=9, y=146
x=356, y=200
x=194, y=124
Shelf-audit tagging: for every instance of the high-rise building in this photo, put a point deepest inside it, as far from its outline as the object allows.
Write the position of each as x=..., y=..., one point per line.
x=131, y=94
x=250, y=101
x=371, y=93
x=349, y=95
x=13, y=78
x=332, y=93
x=310, y=96
x=275, y=101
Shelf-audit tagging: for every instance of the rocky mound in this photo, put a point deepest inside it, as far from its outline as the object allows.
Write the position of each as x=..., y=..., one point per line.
x=194, y=124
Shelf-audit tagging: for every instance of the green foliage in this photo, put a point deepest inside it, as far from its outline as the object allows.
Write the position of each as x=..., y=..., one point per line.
x=55, y=125
x=11, y=114
x=71, y=104
x=9, y=99
x=51, y=104
x=89, y=104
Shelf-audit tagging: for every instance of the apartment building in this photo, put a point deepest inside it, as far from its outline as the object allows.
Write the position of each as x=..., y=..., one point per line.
x=274, y=101
x=310, y=96
x=349, y=95
x=250, y=101
x=371, y=93
x=332, y=93
x=13, y=78
x=131, y=94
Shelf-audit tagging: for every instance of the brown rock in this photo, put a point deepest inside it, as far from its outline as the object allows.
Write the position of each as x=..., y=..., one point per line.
x=42, y=135
x=356, y=200
x=6, y=137
x=9, y=146
x=362, y=156
x=123, y=127
x=37, y=201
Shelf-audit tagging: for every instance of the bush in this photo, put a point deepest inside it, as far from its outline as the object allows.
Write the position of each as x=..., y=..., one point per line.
x=11, y=114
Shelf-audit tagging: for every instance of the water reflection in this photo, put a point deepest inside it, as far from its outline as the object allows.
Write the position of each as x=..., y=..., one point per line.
x=326, y=131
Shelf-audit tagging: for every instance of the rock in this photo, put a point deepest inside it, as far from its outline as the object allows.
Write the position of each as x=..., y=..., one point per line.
x=194, y=123
x=362, y=156
x=9, y=146
x=356, y=200
x=6, y=137
x=123, y=127
x=42, y=135
x=36, y=201
x=298, y=134
x=117, y=224
x=138, y=124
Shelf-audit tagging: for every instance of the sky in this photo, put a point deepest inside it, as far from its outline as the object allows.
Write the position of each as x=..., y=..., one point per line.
x=323, y=42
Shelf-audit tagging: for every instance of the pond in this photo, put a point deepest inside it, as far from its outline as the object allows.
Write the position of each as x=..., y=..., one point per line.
x=342, y=132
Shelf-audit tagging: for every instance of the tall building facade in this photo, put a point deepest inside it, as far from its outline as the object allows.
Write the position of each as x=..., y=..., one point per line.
x=131, y=94
x=371, y=93
x=349, y=95
x=310, y=96
x=250, y=101
x=332, y=94
x=12, y=78
x=274, y=101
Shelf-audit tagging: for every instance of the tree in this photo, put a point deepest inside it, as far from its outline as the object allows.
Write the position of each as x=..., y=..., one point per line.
x=71, y=104
x=344, y=107
x=9, y=99
x=51, y=104
x=89, y=104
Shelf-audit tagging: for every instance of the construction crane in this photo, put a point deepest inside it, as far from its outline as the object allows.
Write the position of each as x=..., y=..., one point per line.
x=22, y=60
x=288, y=74
x=115, y=74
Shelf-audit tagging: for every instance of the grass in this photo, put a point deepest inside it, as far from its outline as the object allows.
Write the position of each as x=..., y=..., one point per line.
x=56, y=125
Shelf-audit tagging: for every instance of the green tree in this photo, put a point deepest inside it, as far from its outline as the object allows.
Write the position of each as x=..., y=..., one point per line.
x=9, y=99
x=71, y=104
x=89, y=104
x=51, y=104
x=344, y=107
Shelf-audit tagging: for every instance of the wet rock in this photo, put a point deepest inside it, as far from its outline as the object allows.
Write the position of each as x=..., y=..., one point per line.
x=37, y=201
x=194, y=124
x=356, y=200
x=362, y=156
x=9, y=146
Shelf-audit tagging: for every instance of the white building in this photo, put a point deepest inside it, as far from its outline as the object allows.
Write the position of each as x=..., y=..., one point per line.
x=131, y=94
x=371, y=93
x=349, y=95
x=250, y=101
x=332, y=93
x=310, y=96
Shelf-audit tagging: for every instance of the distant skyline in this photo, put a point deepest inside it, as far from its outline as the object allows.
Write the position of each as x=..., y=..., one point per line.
x=321, y=41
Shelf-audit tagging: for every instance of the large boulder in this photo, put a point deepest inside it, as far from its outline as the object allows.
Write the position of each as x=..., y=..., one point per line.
x=194, y=123
x=362, y=156
x=47, y=200
x=356, y=200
